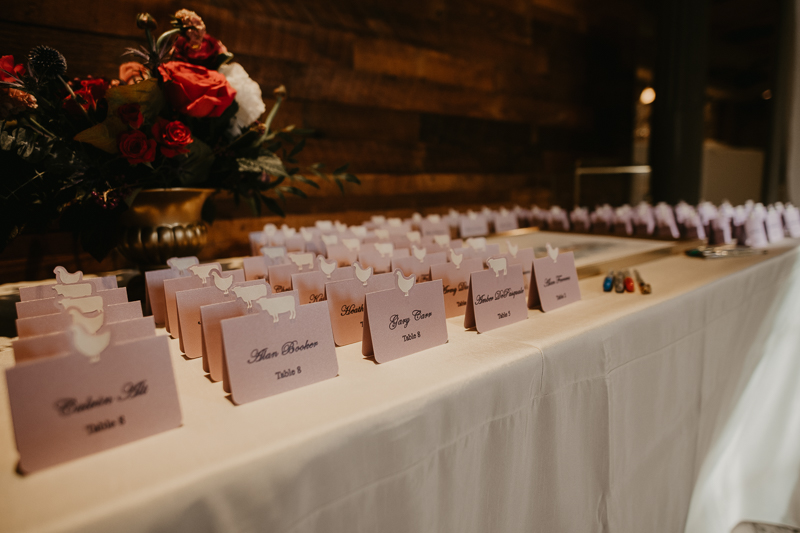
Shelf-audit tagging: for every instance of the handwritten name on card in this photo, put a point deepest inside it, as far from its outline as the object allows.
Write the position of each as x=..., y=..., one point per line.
x=496, y=296
x=455, y=282
x=64, y=407
x=406, y=319
x=554, y=281
x=264, y=356
x=346, y=302
x=311, y=285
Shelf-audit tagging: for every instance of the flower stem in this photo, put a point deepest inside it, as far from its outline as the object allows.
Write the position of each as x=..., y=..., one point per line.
x=75, y=97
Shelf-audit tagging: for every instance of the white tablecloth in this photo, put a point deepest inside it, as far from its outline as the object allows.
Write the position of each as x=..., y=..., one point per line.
x=595, y=417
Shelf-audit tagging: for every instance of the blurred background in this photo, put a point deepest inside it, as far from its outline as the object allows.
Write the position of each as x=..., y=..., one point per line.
x=461, y=103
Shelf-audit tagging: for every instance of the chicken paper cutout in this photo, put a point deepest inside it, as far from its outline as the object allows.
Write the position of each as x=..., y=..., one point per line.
x=406, y=319
x=346, y=302
x=310, y=286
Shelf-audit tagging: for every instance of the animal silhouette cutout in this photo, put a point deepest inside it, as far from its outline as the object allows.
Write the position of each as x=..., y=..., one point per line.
x=382, y=234
x=414, y=236
x=89, y=323
x=65, y=278
x=86, y=305
x=307, y=235
x=362, y=274
x=394, y=222
x=182, y=264
x=270, y=229
x=301, y=260
x=472, y=215
x=76, y=290
x=404, y=283
x=498, y=264
x=419, y=253
x=203, y=271
x=384, y=248
x=341, y=228
x=277, y=306
x=359, y=231
x=220, y=282
x=287, y=231
x=89, y=345
x=251, y=293
x=273, y=252
x=456, y=258
x=477, y=243
x=435, y=218
x=352, y=244
x=326, y=267
x=552, y=252
x=441, y=240
x=512, y=248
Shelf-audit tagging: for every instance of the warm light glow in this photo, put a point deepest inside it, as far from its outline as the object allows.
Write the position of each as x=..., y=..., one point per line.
x=648, y=96
x=766, y=95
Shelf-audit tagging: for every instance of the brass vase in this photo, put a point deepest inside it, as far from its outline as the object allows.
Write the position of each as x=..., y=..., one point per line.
x=163, y=223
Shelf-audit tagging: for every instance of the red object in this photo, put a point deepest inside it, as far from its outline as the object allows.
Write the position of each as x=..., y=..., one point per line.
x=195, y=90
x=629, y=286
x=137, y=148
x=173, y=137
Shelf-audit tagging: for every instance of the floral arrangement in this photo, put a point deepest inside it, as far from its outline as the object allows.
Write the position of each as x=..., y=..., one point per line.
x=181, y=114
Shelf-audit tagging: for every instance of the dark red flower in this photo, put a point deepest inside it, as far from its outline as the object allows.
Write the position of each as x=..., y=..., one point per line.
x=7, y=65
x=83, y=99
x=96, y=86
x=131, y=114
x=137, y=148
x=173, y=136
x=195, y=90
x=197, y=51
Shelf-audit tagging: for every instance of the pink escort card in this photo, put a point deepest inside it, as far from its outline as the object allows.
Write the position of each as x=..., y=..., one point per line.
x=93, y=398
x=419, y=263
x=280, y=276
x=403, y=320
x=554, y=281
x=188, y=303
x=50, y=306
x=278, y=347
x=346, y=302
x=455, y=281
x=41, y=292
x=473, y=225
x=200, y=278
x=154, y=282
x=524, y=257
x=496, y=296
x=310, y=286
x=45, y=324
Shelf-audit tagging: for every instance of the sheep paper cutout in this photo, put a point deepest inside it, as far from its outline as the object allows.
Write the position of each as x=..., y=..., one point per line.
x=498, y=264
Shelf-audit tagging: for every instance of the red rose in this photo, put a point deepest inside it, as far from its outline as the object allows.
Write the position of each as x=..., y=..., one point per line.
x=73, y=105
x=172, y=136
x=195, y=90
x=197, y=51
x=136, y=147
x=131, y=114
x=7, y=66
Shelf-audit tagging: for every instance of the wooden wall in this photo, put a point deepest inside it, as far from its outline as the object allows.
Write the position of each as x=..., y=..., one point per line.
x=432, y=102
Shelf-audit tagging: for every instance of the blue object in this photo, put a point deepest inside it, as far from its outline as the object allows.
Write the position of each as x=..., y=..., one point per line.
x=608, y=283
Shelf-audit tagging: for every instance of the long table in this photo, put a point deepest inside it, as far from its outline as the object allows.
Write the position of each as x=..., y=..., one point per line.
x=595, y=417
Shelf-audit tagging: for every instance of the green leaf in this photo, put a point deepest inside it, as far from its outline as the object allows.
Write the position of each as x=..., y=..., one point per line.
x=303, y=179
x=194, y=170
x=339, y=183
x=269, y=163
x=295, y=191
x=352, y=179
x=272, y=205
x=297, y=148
x=342, y=169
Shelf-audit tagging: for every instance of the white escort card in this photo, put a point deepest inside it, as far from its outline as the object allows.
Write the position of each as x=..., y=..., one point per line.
x=496, y=296
x=791, y=216
x=96, y=396
x=554, y=281
x=346, y=302
x=154, y=285
x=473, y=225
x=505, y=220
x=403, y=320
x=774, y=223
x=455, y=276
x=279, y=346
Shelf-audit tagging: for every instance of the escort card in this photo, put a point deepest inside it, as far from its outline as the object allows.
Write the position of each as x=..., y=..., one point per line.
x=211, y=317
x=346, y=302
x=434, y=227
x=473, y=225
x=154, y=284
x=50, y=306
x=283, y=347
x=198, y=279
x=107, y=314
x=188, y=303
x=342, y=254
x=28, y=348
x=419, y=263
x=280, y=276
x=310, y=286
x=524, y=257
x=42, y=292
x=94, y=398
x=455, y=281
x=755, y=231
x=774, y=225
x=403, y=320
x=554, y=281
x=505, y=220
x=791, y=216
x=496, y=296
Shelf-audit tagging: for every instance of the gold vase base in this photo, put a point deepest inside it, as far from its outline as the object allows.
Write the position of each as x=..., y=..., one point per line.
x=151, y=247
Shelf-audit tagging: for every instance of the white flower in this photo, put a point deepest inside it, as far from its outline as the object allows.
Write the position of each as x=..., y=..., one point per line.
x=248, y=96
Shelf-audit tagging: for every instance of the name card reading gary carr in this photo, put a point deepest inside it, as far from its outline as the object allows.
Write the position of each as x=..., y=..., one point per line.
x=404, y=320
x=67, y=406
x=280, y=346
x=496, y=296
x=554, y=281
